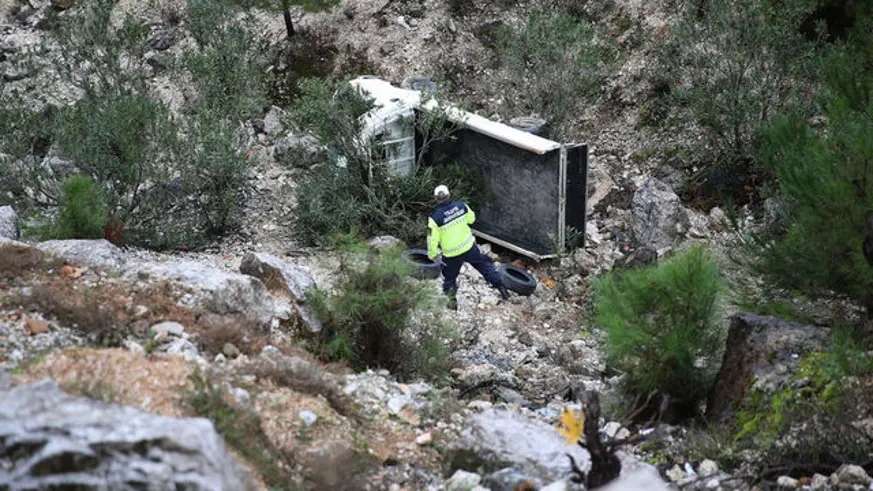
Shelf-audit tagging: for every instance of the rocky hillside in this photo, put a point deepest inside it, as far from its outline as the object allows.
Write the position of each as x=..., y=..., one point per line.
x=126, y=367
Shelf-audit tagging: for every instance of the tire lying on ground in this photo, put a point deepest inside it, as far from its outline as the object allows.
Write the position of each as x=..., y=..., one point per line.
x=517, y=279
x=422, y=266
x=536, y=126
x=419, y=83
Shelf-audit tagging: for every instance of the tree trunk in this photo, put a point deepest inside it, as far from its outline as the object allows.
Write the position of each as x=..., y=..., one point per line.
x=286, y=14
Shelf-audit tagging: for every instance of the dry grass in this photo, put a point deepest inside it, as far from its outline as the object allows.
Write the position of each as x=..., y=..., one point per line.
x=241, y=331
x=22, y=261
x=241, y=428
x=106, y=311
x=305, y=377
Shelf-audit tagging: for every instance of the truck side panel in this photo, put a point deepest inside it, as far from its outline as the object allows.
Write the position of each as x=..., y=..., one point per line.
x=520, y=189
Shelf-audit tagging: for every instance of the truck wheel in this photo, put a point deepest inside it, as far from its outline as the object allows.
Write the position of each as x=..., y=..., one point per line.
x=536, y=126
x=422, y=266
x=419, y=83
x=517, y=279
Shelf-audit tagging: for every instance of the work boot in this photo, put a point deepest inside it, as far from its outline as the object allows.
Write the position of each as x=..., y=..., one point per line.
x=504, y=293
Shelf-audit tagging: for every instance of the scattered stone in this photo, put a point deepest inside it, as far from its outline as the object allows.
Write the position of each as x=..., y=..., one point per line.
x=230, y=351
x=511, y=396
x=5, y=381
x=561, y=485
x=219, y=358
x=818, y=482
x=160, y=337
x=478, y=405
x=273, y=121
x=424, y=439
x=852, y=474
x=140, y=311
x=76, y=442
x=182, y=347
x=8, y=223
x=308, y=417
x=169, y=328
x=786, y=482
x=707, y=468
x=384, y=242
x=35, y=326
x=676, y=473
x=269, y=350
x=462, y=480
x=131, y=345
x=611, y=429
x=242, y=396
x=659, y=220
x=164, y=38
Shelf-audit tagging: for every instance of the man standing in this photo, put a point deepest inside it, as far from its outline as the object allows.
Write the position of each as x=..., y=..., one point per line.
x=450, y=230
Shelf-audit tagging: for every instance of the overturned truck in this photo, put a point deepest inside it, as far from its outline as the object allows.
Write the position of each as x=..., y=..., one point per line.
x=534, y=188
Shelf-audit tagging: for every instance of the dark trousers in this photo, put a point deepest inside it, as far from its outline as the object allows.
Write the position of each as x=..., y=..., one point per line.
x=452, y=266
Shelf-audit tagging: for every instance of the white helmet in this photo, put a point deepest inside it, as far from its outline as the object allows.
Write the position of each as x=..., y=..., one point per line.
x=441, y=191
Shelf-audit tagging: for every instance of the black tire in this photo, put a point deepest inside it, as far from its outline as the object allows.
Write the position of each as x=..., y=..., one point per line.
x=536, y=126
x=419, y=83
x=422, y=266
x=517, y=279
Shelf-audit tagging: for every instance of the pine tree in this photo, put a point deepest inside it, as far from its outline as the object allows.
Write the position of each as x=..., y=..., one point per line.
x=826, y=181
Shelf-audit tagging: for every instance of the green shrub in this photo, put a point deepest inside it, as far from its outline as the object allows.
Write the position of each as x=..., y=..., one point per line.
x=381, y=317
x=166, y=180
x=825, y=187
x=661, y=327
x=551, y=66
x=225, y=69
x=81, y=214
x=732, y=65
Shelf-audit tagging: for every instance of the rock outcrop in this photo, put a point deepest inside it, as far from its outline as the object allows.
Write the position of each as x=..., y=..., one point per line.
x=219, y=291
x=495, y=439
x=92, y=253
x=284, y=281
x=54, y=440
x=659, y=220
x=761, y=353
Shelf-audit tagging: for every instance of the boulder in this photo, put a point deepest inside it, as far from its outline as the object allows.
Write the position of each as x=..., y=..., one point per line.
x=54, y=440
x=496, y=439
x=762, y=354
x=8, y=223
x=278, y=276
x=219, y=291
x=273, y=121
x=511, y=447
x=659, y=220
x=283, y=280
x=387, y=242
x=92, y=253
